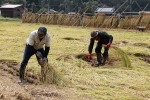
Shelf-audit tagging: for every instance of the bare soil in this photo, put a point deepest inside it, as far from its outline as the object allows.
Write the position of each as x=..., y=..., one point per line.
x=143, y=57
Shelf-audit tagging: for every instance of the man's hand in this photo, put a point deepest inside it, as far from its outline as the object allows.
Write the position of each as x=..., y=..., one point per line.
x=39, y=54
x=108, y=44
x=45, y=59
x=89, y=56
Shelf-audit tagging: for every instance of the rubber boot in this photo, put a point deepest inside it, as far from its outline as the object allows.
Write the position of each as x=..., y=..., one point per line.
x=21, y=74
x=105, y=57
x=99, y=60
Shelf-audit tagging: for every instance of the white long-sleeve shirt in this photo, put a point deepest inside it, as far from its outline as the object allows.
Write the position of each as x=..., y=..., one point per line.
x=34, y=40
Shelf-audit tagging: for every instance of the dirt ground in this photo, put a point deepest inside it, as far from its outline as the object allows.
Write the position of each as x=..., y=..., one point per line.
x=10, y=89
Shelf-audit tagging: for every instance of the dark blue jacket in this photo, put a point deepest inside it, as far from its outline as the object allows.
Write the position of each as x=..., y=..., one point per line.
x=104, y=39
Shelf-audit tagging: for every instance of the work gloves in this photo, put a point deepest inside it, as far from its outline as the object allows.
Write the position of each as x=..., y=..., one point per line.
x=44, y=59
x=89, y=56
x=108, y=44
x=39, y=54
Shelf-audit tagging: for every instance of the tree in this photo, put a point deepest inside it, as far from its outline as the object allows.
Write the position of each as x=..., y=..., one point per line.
x=68, y=5
x=87, y=11
x=33, y=8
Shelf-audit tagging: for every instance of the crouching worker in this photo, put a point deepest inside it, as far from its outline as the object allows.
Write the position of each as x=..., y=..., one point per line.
x=103, y=38
x=34, y=44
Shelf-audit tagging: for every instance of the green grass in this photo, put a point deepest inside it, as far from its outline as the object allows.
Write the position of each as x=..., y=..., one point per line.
x=114, y=81
x=9, y=19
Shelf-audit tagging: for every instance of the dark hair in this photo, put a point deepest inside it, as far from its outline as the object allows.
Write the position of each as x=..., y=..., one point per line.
x=43, y=29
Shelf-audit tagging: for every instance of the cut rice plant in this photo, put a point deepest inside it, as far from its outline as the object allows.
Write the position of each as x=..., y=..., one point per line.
x=123, y=57
x=50, y=75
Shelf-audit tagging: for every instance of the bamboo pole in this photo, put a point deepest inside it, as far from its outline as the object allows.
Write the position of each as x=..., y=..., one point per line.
x=113, y=13
x=74, y=17
x=67, y=16
x=31, y=18
x=138, y=5
x=73, y=20
x=93, y=18
x=49, y=20
x=138, y=17
x=120, y=14
x=81, y=16
x=38, y=16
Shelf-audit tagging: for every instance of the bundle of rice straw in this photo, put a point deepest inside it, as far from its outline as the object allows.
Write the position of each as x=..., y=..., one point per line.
x=50, y=75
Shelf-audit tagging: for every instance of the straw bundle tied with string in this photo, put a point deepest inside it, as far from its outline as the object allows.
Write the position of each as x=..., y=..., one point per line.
x=108, y=21
x=49, y=17
x=121, y=23
x=86, y=19
x=26, y=17
x=61, y=19
x=115, y=22
x=99, y=20
x=67, y=20
x=133, y=18
x=74, y=19
x=145, y=20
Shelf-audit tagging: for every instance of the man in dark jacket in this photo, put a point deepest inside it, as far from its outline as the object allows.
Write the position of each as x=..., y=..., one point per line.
x=35, y=43
x=103, y=38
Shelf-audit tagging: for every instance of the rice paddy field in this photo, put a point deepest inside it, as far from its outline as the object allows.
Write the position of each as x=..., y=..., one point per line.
x=126, y=75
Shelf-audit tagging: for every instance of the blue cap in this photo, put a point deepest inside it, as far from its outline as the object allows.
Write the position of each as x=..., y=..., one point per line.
x=43, y=29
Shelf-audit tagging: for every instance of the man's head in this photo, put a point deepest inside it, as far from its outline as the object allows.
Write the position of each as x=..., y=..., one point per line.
x=42, y=31
x=93, y=34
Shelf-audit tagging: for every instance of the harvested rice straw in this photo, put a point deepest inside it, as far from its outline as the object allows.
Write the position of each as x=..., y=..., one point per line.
x=75, y=19
x=60, y=20
x=99, y=20
x=67, y=20
x=115, y=22
x=108, y=22
x=145, y=20
x=50, y=75
x=123, y=57
x=34, y=18
x=121, y=23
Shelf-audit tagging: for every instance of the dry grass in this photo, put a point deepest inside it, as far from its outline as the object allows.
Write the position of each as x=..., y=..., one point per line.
x=85, y=82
